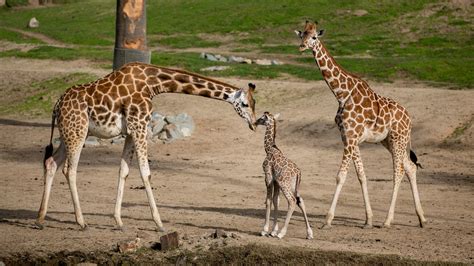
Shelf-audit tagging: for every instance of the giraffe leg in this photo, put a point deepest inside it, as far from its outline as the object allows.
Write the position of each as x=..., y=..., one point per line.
x=300, y=203
x=410, y=170
x=269, y=183
x=340, y=179
x=276, y=203
x=268, y=204
x=363, y=183
x=70, y=171
x=291, y=208
x=127, y=156
x=398, y=151
x=51, y=166
x=139, y=139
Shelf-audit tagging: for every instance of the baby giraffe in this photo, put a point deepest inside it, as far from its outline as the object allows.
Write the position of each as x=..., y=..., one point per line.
x=280, y=173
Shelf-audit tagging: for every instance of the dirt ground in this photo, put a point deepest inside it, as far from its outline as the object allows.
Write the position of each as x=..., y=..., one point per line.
x=214, y=180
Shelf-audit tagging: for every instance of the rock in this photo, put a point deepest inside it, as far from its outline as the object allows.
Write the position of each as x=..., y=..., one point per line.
x=221, y=58
x=128, y=245
x=235, y=236
x=33, y=23
x=219, y=233
x=214, y=68
x=2, y=263
x=91, y=141
x=360, y=12
x=263, y=62
x=172, y=132
x=210, y=57
x=57, y=141
x=169, y=241
x=203, y=55
x=276, y=62
x=247, y=61
x=118, y=140
x=236, y=59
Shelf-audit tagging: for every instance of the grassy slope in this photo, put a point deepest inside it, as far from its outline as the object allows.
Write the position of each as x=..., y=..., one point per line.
x=267, y=26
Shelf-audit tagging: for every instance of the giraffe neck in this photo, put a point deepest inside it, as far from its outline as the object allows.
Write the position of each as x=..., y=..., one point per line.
x=270, y=134
x=166, y=80
x=338, y=80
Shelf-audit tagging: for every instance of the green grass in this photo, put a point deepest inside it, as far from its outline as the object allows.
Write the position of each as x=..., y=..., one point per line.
x=267, y=26
x=16, y=37
x=181, y=42
x=47, y=92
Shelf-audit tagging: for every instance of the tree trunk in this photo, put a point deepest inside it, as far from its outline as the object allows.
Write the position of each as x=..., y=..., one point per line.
x=130, y=33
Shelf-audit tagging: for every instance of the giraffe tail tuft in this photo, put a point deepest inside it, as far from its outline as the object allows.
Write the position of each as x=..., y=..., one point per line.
x=414, y=159
x=48, y=150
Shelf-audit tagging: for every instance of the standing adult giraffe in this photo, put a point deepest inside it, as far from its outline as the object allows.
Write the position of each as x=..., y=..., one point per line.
x=362, y=116
x=120, y=103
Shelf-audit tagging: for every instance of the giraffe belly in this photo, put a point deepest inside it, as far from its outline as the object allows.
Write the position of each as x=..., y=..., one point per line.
x=374, y=136
x=111, y=129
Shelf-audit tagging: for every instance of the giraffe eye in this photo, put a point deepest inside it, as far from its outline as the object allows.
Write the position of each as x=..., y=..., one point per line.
x=245, y=105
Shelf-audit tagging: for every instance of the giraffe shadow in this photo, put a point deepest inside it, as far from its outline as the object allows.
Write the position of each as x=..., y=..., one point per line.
x=11, y=122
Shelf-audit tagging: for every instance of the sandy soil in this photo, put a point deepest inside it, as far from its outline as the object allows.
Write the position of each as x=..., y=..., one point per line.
x=213, y=180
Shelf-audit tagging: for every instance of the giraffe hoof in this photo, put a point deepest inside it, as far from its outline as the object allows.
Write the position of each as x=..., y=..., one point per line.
x=423, y=223
x=161, y=229
x=280, y=236
x=274, y=234
x=84, y=227
x=386, y=226
x=39, y=225
x=264, y=233
x=326, y=227
x=367, y=226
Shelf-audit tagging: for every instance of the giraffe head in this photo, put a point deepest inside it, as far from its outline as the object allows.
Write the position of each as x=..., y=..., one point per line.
x=244, y=104
x=309, y=37
x=267, y=119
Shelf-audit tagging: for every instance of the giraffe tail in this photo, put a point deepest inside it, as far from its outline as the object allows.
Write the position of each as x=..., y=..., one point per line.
x=48, y=150
x=297, y=194
x=414, y=159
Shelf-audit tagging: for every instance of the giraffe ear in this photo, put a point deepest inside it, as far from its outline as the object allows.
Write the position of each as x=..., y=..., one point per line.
x=298, y=32
x=276, y=116
x=252, y=87
x=320, y=33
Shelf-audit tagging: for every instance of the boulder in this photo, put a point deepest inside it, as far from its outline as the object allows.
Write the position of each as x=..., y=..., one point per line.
x=33, y=23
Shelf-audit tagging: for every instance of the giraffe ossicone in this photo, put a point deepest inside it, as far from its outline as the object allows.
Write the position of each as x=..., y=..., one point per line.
x=121, y=103
x=363, y=115
x=280, y=174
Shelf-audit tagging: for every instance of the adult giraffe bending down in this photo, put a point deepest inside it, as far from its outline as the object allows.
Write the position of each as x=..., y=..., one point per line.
x=120, y=103
x=362, y=116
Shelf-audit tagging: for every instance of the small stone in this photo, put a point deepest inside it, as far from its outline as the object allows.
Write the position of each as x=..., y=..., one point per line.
x=129, y=245
x=57, y=141
x=214, y=68
x=247, y=61
x=360, y=12
x=263, y=62
x=169, y=241
x=276, y=62
x=92, y=141
x=118, y=140
x=202, y=55
x=33, y=23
